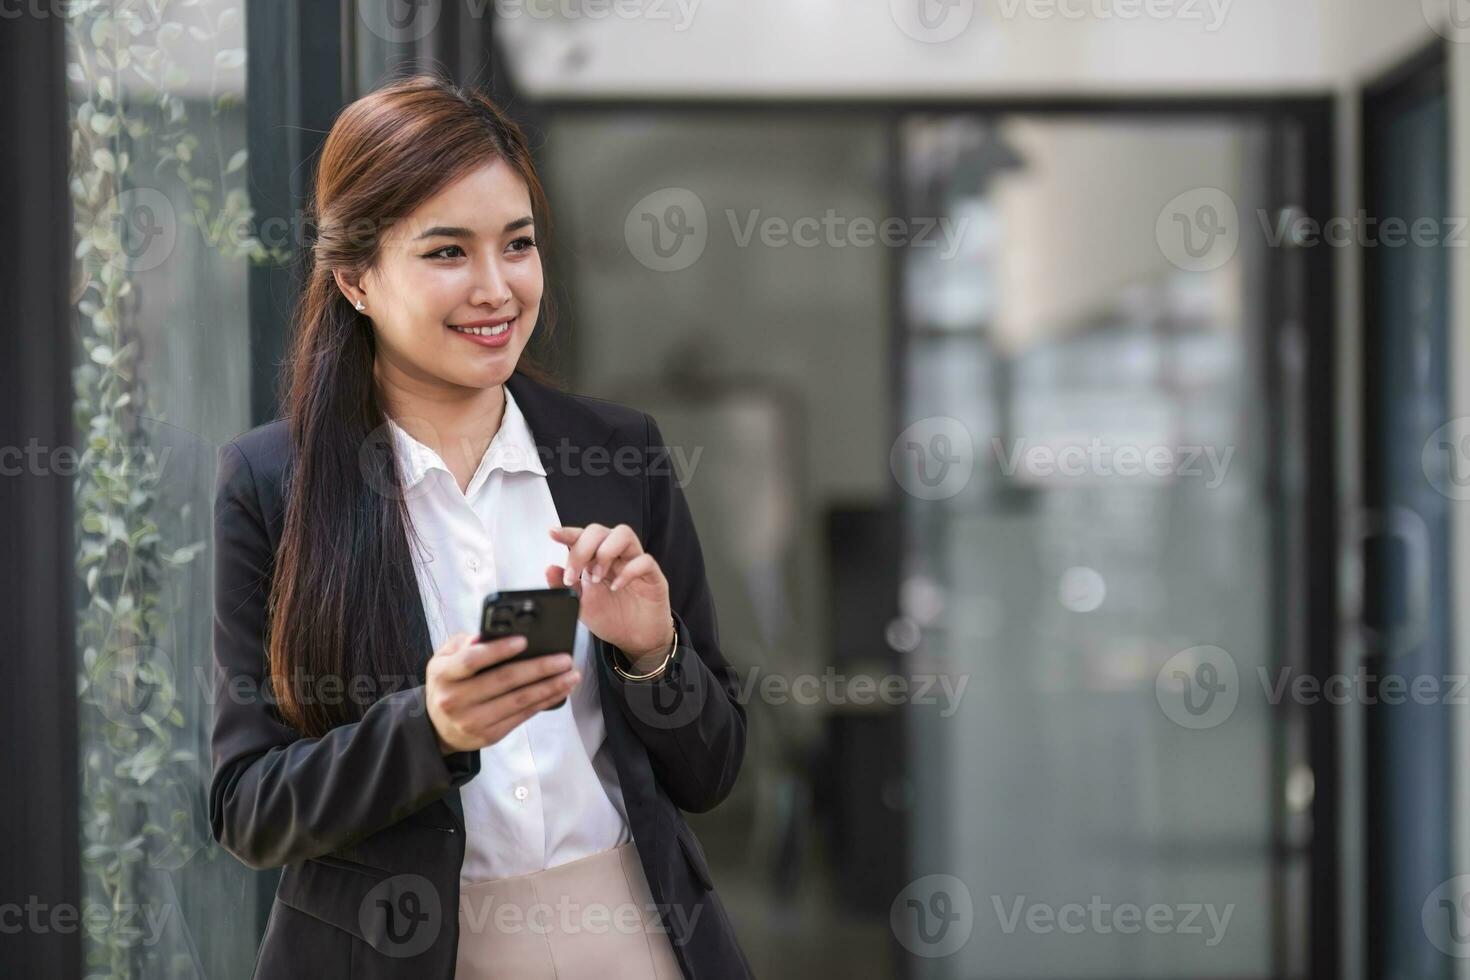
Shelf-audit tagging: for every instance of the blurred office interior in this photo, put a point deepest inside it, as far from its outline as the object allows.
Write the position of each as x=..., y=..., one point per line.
x=1104, y=215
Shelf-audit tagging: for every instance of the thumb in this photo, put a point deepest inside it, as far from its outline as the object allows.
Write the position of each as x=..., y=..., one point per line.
x=554, y=575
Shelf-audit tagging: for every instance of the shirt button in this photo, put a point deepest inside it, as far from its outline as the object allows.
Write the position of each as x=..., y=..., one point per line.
x=474, y=564
x=522, y=792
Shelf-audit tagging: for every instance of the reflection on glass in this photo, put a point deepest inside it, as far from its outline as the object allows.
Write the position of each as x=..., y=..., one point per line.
x=163, y=242
x=1117, y=518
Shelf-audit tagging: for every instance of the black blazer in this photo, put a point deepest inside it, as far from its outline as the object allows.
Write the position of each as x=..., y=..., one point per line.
x=368, y=820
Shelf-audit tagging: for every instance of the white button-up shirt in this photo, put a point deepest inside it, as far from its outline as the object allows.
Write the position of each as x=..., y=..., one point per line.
x=546, y=793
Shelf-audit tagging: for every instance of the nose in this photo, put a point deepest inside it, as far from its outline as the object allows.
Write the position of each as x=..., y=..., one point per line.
x=491, y=289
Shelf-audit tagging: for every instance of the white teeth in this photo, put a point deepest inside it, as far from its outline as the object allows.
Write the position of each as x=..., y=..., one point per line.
x=485, y=331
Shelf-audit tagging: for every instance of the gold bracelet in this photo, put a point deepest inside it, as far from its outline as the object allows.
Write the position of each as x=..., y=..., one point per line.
x=673, y=648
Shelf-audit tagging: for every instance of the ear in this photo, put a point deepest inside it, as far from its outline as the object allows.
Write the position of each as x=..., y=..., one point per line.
x=350, y=287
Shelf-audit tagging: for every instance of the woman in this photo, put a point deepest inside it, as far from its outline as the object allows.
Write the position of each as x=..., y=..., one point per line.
x=441, y=812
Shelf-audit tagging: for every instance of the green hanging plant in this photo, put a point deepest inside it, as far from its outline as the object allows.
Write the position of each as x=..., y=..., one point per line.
x=135, y=150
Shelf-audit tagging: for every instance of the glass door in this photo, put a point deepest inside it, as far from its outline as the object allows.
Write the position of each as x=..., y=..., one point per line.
x=1101, y=406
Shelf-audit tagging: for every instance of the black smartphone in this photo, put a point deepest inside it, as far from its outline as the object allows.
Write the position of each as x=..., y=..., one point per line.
x=547, y=618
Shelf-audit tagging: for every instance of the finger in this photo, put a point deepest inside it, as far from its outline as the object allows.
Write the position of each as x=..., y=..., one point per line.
x=580, y=553
x=620, y=542
x=455, y=643
x=495, y=681
x=644, y=566
x=566, y=535
x=508, y=725
x=618, y=564
x=531, y=696
x=475, y=657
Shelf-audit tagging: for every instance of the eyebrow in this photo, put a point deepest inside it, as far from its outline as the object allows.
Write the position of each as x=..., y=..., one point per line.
x=446, y=231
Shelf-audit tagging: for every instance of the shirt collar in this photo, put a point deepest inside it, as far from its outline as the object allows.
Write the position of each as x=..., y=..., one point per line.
x=513, y=450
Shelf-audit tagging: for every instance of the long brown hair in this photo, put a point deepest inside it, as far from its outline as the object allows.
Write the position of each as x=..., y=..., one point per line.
x=344, y=562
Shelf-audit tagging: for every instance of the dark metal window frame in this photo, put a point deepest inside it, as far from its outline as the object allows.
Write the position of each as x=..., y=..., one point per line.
x=1423, y=74
x=40, y=830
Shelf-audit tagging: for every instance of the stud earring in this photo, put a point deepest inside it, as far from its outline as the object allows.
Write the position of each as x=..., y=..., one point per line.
x=358, y=305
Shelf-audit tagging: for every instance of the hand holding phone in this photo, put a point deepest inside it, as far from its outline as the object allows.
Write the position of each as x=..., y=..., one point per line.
x=547, y=618
x=477, y=693
x=480, y=690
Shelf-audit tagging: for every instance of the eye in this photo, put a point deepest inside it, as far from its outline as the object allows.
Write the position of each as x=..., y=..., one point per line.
x=438, y=253
x=525, y=241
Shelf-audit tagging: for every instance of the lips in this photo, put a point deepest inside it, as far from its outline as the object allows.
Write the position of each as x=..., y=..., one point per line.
x=491, y=322
x=482, y=331
x=497, y=336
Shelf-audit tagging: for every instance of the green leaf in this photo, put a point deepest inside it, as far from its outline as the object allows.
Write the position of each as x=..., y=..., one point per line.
x=185, y=554
x=103, y=160
x=236, y=162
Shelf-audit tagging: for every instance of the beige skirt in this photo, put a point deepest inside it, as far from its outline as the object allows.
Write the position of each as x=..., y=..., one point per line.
x=593, y=917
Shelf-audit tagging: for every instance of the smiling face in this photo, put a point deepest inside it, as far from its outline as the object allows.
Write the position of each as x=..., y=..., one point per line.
x=465, y=258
